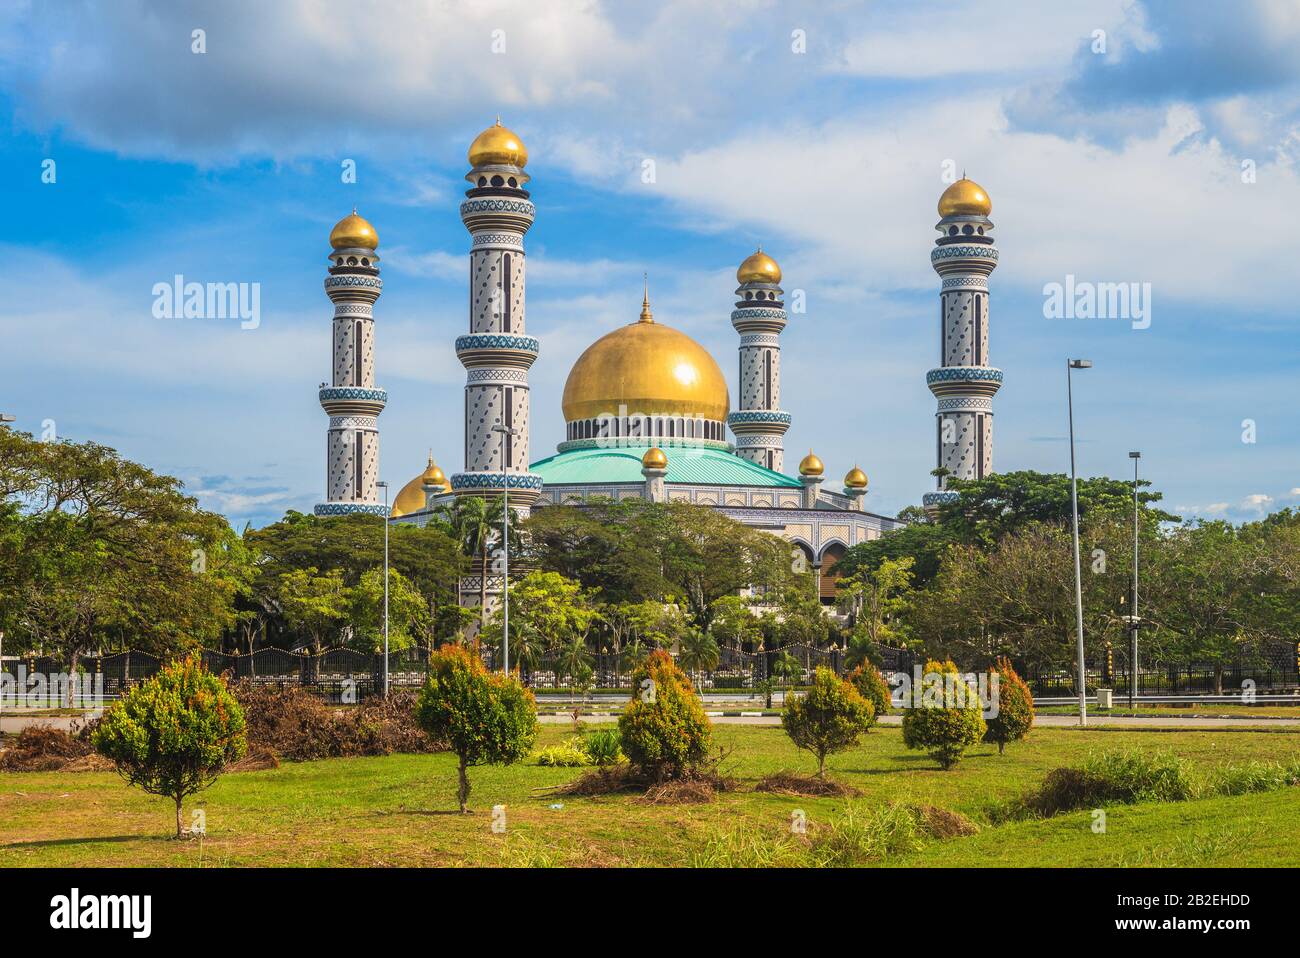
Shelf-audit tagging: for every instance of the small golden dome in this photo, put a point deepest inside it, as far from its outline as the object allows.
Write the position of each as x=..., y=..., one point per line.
x=411, y=497
x=856, y=479
x=810, y=465
x=654, y=458
x=498, y=146
x=965, y=197
x=648, y=369
x=353, y=231
x=433, y=476
x=758, y=267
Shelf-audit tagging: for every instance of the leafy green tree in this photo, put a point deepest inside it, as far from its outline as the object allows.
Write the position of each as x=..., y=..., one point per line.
x=173, y=734
x=699, y=652
x=315, y=604
x=828, y=718
x=486, y=718
x=547, y=613
x=877, y=599
x=871, y=685
x=408, y=615
x=735, y=623
x=476, y=523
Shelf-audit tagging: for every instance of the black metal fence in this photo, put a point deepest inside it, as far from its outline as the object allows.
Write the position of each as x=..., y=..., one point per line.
x=347, y=674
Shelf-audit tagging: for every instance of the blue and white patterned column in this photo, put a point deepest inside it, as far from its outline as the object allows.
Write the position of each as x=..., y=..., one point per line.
x=352, y=400
x=964, y=383
x=760, y=424
x=496, y=353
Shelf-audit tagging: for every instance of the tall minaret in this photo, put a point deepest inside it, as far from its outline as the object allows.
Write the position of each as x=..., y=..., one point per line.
x=759, y=317
x=352, y=400
x=496, y=354
x=964, y=383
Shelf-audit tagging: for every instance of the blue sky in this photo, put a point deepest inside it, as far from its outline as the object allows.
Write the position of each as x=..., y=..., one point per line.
x=1115, y=166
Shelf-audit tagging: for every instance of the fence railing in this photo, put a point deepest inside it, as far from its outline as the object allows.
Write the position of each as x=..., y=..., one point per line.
x=336, y=671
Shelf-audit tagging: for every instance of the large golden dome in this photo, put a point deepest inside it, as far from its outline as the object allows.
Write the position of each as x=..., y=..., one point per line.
x=965, y=197
x=411, y=497
x=758, y=267
x=498, y=145
x=648, y=368
x=353, y=231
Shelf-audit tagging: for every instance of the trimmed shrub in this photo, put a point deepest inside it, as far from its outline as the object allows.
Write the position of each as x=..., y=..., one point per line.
x=1015, y=708
x=663, y=729
x=871, y=685
x=604, y=746
x=944, y=718
x=173, y=734
x=486, y=718
x=828, y=718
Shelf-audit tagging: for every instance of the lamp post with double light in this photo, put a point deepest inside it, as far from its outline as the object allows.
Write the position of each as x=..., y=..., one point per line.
x=1133, y=611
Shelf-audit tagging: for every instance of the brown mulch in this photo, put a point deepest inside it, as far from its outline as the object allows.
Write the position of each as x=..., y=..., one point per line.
x=257, y=760
x=42, y=748
x=810, y=786
x=942, y=823
x=295, y=724
x=694, y=787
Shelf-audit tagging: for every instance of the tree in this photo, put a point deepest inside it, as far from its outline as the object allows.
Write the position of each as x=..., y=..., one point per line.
x=663, y=728
x=877, y=598
x=547, y=613
x=1013, y=716
x=315, y=604
x=871, y=685
x=734, y=621
x=475, y=522
x=487, y=718
x=945, y=716
x=173, y=734
x=699, y=652
x=100, y=551
x=828, y=718
x=408, y=615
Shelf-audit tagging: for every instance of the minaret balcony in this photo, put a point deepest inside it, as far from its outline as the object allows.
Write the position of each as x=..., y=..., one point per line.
x=353, y=400
x=497, y=349
x=767, y=421
x=964, y=380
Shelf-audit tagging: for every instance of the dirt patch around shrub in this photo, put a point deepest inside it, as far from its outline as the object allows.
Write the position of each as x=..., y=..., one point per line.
x=43, y=748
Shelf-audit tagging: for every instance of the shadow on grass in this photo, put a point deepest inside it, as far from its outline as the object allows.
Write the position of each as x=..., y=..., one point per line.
x=116, y=839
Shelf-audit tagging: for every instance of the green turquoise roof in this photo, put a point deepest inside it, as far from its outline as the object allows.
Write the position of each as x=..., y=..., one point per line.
x=686, y=464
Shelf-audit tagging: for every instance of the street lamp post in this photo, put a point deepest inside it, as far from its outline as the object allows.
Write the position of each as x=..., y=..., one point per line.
x=505, y=544
x=1073, y=364
x=1133, y=611
x=384, y=486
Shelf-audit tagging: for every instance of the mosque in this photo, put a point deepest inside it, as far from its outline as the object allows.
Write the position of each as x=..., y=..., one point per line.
x=647, y=409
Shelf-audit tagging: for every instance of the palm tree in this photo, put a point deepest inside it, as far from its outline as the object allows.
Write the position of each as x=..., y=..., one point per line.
x=474, y=522
x=699, y=652
x=574, y=661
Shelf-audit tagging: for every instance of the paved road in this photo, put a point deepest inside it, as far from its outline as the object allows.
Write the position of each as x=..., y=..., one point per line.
x=1062, y=721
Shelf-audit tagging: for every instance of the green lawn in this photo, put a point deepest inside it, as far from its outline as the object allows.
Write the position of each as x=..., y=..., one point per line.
x=399, y=810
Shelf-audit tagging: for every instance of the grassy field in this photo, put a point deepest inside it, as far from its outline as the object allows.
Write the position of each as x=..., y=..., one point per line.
x=1216, y=709
x=399, y=810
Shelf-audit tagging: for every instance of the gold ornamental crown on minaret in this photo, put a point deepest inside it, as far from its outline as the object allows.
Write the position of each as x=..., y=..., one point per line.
x=646, y=315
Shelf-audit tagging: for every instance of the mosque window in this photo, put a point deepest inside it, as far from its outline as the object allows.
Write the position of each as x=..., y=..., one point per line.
x=356, y=354
x=512, y=181
x=952, y=231
x=748, y=295
x=505, y=268
x=497, y=180
x=979, y=300
x=356, y=462
x=980, y=230
x=968, y=229
x=482, y=181
x=365, y=261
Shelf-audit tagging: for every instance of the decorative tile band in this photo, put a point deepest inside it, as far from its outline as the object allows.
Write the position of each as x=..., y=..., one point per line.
x=972, y=282
x=759, y=415
x=939, y=498
x=496, y=480
x=527, y=344
x=354, y=309
x=752, y=340
x=757, y=312
x=976, y=252
x=368, y=282
x=348, y=508
x=491, y=376
x=498, y=206
x=354, y=422
x=966, y=404
x=964, y=374
x=512, y=240
x=353, y=392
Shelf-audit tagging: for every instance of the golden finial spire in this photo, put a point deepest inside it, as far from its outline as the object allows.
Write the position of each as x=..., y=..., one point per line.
x=646, y=315
x=431, y=457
